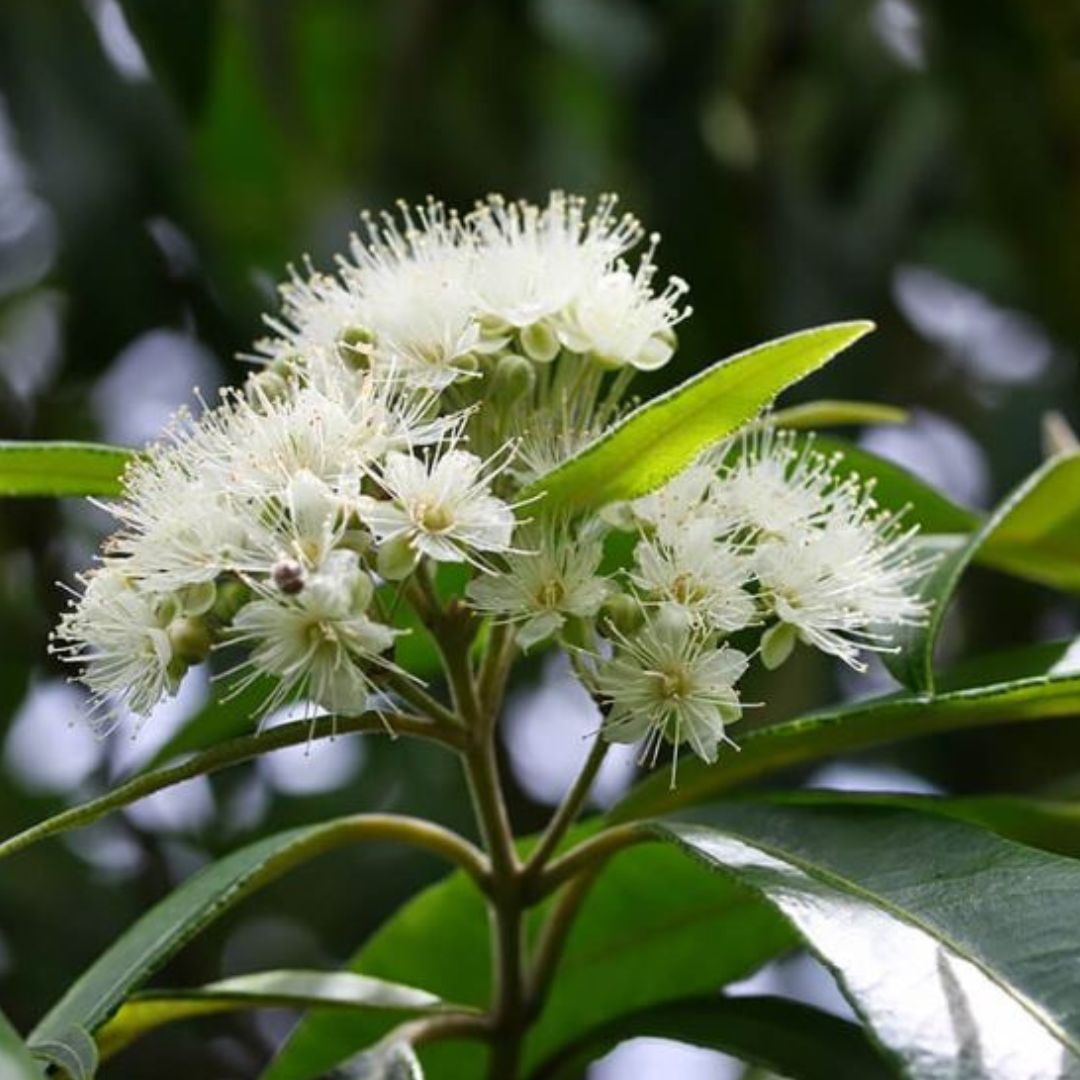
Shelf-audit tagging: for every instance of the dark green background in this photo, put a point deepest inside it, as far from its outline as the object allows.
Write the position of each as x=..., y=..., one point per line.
x=918, y=164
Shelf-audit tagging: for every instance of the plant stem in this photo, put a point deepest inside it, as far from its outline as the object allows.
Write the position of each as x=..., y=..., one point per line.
x=589, y=854
x=230, y=752
x=568, y=810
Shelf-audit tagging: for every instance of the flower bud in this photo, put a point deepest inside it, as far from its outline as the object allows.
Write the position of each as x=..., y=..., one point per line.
x=266, y=386
x=362, y=591
x=776, y=644
x=197, y=599
x=513, y=378
x=623, y=613
x=231, y=596
x=190, y=639
x=288, y=576
x=539, y=342
x=355, y=345
x=396, y=559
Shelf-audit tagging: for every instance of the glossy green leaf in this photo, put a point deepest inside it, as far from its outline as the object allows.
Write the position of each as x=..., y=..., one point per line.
x=74, y=1053
x=787, y=1037
x=170, y=924
x=663, y=436
x=1042, y=823
x=1034, y=533
x=61, y=468
x=831, y=413
x=959, y=949
x=16, y=1061
x=150, y=1009
x=1025, y=684
x=652, y=929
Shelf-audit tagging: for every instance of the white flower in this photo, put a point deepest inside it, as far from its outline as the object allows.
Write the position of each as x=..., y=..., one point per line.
x=441, y=506
x=844, y=586
x=553, y=578
x=699, y=573
x=670, y=681
x=532, y=262
x=683, y=500
x=621, y=321
x=317, y=642
x=771, y=486
x=119, y=635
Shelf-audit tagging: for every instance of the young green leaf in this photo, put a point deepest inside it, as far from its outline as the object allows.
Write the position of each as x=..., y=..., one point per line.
x=16, y=1061
x=170, y=924
x=663, y=436
x=829, y=413
x=150, y=1009
x=1025, y=684
x=958, y=948
x=785, y=1037
x=61, y=468
x=1034, y=533
x=651, y=930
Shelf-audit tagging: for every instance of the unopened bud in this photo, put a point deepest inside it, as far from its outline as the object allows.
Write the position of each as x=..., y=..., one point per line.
x=362, y=591
x=288, y=576
x=198, y=599
x=266, y=386
x=776, y=644
x=231, y=597
x=513, y=378
x=539, y=342
x=355, y=345
x=622, y=612
x=190, y=639
x=397, y=559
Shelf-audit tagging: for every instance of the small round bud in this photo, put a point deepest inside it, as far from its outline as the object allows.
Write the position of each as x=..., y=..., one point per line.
x=469, y=363
x=622, y=612
x=514, y=378
x=777, y=644
x=539, y=342
x=362, y=592
x=355, y=345
x=397, y=559
x=231, y=596
x=190, y=639
x=197, y=599
x=268, y=385
x=288, y=576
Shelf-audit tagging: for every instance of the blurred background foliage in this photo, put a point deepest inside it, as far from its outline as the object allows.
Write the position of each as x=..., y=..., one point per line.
x=805, y=161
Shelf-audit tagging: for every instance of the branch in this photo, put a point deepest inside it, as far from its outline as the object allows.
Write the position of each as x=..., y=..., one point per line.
x=589, y=854
x=568, y=810
x=224, y=754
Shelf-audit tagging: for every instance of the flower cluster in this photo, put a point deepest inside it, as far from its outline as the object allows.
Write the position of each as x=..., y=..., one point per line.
x=402, y=406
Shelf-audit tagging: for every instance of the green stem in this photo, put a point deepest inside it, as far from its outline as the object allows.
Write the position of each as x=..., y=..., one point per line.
x=568, y=810
x=416, y=696
x=222, y=755
x=589, y=854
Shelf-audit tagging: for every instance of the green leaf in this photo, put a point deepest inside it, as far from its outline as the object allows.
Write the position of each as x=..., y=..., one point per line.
x=74, y=1052
x=959, y=949
x=666, y=434
x=170, y=924
x=61, y=468
x=16, y=1062
x=150, y=1009
x=1025, y=684
x=652, y=929
x=831, y=413
x=1034, y=533
x=1042, y=823
x=787, y=1037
